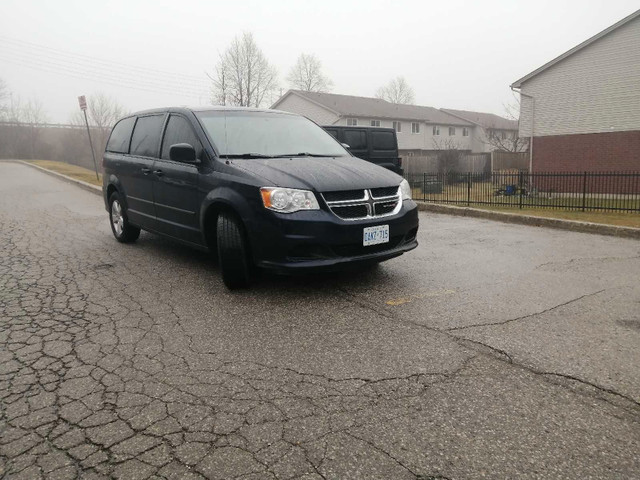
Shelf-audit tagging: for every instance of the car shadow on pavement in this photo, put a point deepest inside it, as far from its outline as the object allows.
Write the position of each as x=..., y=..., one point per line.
x=264, y=280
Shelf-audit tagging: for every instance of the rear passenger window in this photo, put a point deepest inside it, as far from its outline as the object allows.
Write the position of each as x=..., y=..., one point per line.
x=120, y=136
x=146, y=136
x=382, y=141
x=356, y=139
x=179, y=131
x=333, y=133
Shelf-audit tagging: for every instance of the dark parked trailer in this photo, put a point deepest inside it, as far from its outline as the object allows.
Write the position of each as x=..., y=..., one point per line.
x=374, y=144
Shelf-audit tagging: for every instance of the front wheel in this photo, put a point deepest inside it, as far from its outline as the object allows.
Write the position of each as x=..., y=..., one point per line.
x=233, y=252
x=120, y=226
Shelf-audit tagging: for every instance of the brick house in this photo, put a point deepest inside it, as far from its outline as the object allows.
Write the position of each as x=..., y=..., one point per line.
x=583, y=108
x=420, y=129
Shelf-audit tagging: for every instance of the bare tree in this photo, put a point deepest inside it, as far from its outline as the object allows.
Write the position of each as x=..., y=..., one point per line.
x=4, y=98
x=503, y=140
x=243, y=75
x=449, y=155
x=396, y=91
x=33, y=115
x=307, y=75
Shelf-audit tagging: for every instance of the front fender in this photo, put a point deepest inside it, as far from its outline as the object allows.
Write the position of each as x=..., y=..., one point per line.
x=242, y=203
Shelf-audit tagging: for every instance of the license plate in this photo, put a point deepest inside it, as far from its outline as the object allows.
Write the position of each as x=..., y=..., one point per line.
x=375, y=235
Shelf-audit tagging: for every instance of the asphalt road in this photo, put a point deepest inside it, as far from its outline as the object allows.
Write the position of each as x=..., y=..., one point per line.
x=492, y=351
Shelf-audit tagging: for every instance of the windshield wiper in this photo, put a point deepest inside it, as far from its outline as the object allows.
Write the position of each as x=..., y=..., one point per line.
x=303, y=154
x=247, y=155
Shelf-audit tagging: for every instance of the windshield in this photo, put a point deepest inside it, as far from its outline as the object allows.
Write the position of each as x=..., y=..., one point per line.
x=263, y=134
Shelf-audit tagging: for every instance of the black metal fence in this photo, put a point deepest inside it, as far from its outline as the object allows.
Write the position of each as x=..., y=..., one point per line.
x=570, y=191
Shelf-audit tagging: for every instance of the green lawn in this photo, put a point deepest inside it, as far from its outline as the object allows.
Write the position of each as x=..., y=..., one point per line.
x=73, y=171
x=482, y=195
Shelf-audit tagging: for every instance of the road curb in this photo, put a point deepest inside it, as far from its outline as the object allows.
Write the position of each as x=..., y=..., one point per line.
x=66, y=178
x=573, y=225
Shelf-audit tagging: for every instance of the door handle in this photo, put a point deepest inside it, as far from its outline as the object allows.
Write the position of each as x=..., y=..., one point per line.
x=146, y=171
x=158, y=172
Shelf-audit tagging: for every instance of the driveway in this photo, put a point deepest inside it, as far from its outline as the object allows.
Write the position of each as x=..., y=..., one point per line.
x=491, y=351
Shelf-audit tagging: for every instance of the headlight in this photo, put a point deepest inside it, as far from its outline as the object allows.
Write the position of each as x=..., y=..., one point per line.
x=288, y=200
x=405, y=190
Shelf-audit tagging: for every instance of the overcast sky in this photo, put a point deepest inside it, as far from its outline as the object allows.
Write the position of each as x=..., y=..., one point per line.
x=460, y=54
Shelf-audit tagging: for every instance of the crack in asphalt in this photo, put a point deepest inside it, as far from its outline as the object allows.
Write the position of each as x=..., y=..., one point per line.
x=596, y=259
x=524, y=317
x=497, y=352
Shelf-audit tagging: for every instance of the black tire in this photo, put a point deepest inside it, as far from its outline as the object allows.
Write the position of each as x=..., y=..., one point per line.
x=120, y=226
x=233, y=252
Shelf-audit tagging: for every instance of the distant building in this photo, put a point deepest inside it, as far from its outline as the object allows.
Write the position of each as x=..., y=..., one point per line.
x=492, y=132
x=420, y=129
x=583, y=107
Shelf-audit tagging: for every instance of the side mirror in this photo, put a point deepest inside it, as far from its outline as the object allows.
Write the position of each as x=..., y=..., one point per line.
x=183, y=152
x=346, y=145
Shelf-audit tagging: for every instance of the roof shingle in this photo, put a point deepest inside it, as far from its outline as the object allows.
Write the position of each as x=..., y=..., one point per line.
x=485, y=120
x=348, y=105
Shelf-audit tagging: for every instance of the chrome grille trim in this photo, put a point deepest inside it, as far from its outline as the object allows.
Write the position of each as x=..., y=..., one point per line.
x=370, y=202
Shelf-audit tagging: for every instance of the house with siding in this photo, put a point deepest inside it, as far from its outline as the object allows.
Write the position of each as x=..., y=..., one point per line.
x=491, y=131
x=420, y=129
x=583, y=108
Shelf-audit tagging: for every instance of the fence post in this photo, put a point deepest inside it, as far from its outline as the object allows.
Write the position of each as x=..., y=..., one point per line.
x=521, y=187
x=424, y=186
x=584, y=191
x=468, y=189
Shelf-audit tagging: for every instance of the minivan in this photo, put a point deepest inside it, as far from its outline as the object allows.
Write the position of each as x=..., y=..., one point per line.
x=258, y=188
x=378, y=145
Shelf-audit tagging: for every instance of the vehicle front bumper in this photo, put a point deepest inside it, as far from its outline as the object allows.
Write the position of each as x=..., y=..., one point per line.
x=319, y=240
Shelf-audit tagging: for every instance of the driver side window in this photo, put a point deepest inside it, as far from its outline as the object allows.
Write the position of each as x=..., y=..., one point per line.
x=179, y=130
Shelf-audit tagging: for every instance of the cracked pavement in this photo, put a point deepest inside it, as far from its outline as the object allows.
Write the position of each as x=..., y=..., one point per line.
x=492, y=351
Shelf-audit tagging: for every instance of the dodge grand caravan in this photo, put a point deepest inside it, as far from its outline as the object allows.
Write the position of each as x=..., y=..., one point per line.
x=261, y=188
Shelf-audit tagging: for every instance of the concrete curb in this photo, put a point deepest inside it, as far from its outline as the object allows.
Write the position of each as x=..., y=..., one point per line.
x=573, y=225
x=80, y=183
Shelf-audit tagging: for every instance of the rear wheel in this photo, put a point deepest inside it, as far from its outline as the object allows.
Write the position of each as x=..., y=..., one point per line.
x=233, y=252
x=120, y=226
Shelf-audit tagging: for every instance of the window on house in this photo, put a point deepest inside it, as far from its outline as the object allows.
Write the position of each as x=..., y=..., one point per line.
x=452, y=131
x=465, y=132
x=415, y=127
x=504, y=135
x=436, y=130
x=397, y=126
x=352, y=122
x=375, y=123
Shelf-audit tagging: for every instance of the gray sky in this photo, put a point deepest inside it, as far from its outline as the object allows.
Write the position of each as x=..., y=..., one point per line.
x=460, y=54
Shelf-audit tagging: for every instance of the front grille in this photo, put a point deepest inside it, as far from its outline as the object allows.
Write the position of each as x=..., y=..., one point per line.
x=343, y=196
x=350, y=211
x=385, y=208
x=362, y=204
x=384, y=192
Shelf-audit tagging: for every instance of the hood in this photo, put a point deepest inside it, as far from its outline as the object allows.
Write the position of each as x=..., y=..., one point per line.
x=320, y=174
